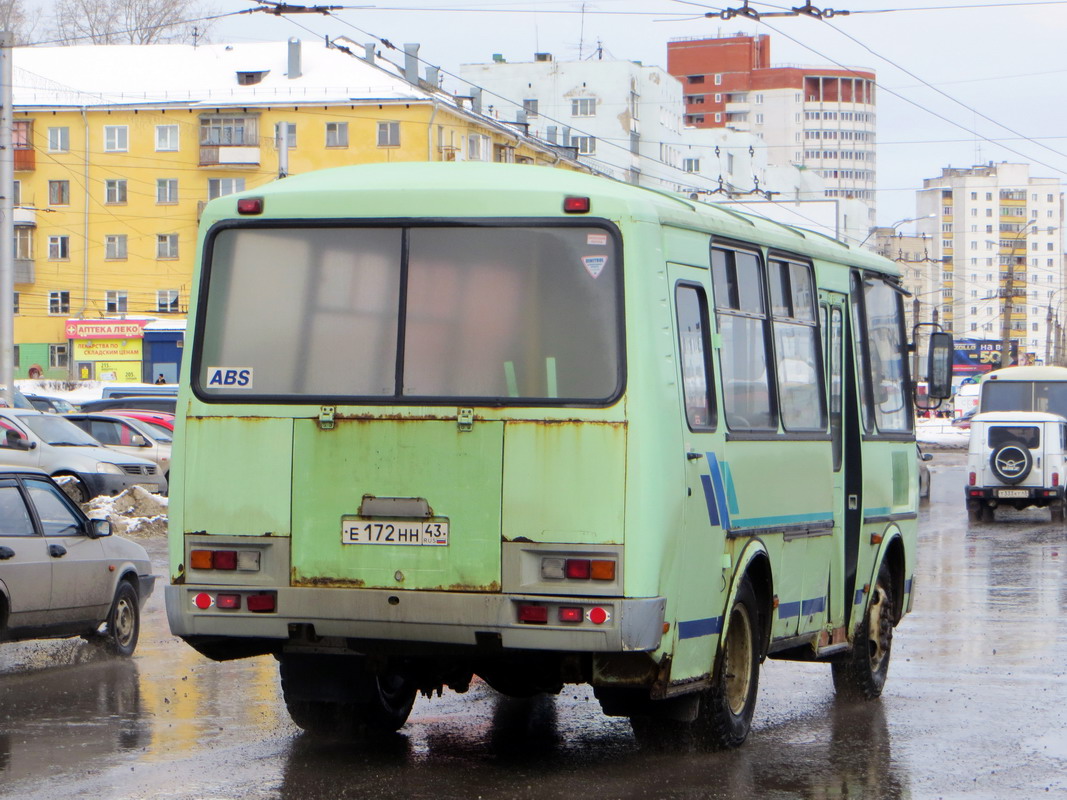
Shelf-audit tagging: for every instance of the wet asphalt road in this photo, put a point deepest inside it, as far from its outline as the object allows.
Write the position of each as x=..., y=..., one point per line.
x=974, y=706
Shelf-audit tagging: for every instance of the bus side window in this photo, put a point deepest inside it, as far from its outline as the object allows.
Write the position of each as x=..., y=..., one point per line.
x=692, y=311
x=796, y=344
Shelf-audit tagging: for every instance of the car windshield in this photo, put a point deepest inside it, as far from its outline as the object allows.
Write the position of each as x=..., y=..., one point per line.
x=58, y=431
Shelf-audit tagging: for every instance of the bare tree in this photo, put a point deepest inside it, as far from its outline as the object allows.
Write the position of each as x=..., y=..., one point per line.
x=15, y=18
x=126, y=21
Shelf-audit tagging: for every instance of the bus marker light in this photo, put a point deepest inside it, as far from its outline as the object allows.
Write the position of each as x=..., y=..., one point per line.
x=228, y=601
x=578, y=568
x=602, y=570
x=598, y=615
x=201, y=559
x=532, y=614
x=570, y=614
x=553, y=569
x=248, y=560
x=267, y=601
x=225, y=559
x=576, y=205
x=876, y=538
x=250, y=205
x=203, y=601
x=973, y=480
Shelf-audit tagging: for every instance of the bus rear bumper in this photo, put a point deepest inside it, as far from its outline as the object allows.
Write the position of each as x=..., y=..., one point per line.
x=600, y=624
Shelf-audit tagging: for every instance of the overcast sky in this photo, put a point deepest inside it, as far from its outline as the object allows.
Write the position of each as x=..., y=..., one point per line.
x=1001, y=60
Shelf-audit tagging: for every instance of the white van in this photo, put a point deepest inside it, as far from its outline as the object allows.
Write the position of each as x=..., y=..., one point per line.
x=1016, y=459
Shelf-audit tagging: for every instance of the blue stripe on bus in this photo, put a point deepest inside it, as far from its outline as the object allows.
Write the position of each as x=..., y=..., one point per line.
x=859, y=597
x=731, y=495
x=877, y=512
x=814, y=606
x=784, y=519
x=720, y=491
x=694, y=628
x=709, y=498
x=907, y=586
x=787, y=610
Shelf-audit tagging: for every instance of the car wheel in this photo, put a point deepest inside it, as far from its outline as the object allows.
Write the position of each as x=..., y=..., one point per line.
x=123, y=624
x=861, y=675
x=74, y=487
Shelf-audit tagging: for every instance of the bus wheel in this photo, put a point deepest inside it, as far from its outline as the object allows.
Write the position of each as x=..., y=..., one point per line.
x=724, y=711
x=862, y=675
x=332, y=696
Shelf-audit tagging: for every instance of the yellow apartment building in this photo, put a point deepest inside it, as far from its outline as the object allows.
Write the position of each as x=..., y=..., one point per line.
x=118, y=148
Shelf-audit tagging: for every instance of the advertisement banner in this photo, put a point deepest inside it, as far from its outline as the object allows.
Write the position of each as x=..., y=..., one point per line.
x=119, y=371
x=108, y=349
x=975, y=356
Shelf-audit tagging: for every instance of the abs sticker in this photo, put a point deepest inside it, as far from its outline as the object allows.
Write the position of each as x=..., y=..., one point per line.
x=229, y=377
x=597, y=238
x=594, y=265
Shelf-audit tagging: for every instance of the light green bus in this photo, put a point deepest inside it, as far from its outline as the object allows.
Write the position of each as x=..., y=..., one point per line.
x=440, y=421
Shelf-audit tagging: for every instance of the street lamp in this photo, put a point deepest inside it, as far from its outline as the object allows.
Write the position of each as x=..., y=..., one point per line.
x=894, y=226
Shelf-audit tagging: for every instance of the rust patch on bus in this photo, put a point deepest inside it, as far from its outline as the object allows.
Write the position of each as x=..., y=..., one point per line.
x=326, y=583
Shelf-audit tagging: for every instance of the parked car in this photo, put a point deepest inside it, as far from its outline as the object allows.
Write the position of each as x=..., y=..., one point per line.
x=141, y=390
x=924, y=473
x=20, y=399
x=31, y=438
x=57, y=405
x=62, y=574
x=1016, y=459
x=159, y=418
x=127, y=435
x=964, y=422
x=147, y=403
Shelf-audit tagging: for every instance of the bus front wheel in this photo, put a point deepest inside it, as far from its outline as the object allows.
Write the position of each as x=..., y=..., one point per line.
x=862, y=674
x=724, y=710
x=335, y=696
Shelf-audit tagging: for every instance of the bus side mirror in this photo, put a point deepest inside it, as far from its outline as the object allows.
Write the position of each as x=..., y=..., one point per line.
x=939, y=366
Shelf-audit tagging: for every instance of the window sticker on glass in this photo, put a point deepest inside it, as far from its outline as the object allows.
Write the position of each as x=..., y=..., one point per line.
x=230, y=377
x=597, y=238
x=594, y=265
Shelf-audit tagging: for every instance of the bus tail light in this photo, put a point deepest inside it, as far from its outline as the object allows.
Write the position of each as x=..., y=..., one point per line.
x=602, y=570
x=263, y=602
x=578, y=568
x=225, y=559
x=533, y=614
x=201, y=559
x=228, y=560
x=250, y=205
x=973, y=479
x=228, y=600
x=571, y=614
x=576, y=205
x=1055, y=479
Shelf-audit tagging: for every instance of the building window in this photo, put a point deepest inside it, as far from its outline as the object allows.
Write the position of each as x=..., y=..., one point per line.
x=691, y=164
x=59, y=302
x=166, y=191
x=116, y=139
x=15, y=309
x=58, y=140
x=478, y=147
x=167, y=301
x=718, y=79
x=388, y=134
x=57, y=355
x=166, y=245
x=530, y=106
x=337, y=134
x=691, y=79
x=718, y=117
x=228, y=130
x=115, y=247
x=115, y=302
x=166, y=138
x=59, y=193
x=759, y=119
x=220, y=187
x=115, y=191
x=23, y=243
x=583, y=107
x=290, y=134
x=758, y=99
x=586, y=145
x=58, y=248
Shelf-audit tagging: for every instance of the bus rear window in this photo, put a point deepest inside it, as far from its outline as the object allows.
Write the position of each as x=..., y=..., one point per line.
x=439, y=312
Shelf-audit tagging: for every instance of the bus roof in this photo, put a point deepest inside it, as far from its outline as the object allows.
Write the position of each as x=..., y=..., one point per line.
x=1027, y=374
x=422, y=189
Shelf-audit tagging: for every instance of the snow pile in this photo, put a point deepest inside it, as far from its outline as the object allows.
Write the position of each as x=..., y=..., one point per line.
x=940, y=432
x=134, y=512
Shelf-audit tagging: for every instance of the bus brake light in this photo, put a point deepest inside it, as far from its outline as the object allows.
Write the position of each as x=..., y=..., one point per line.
x=533, y=614
x=576, y=205
x=571, y=614
x=263, y=602
x=228, y=600
x=250, y=205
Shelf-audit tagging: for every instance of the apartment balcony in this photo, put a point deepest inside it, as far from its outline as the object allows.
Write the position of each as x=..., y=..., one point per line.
x=218, y=155
x=25, y=159
x=25, y=271
x=25, y=216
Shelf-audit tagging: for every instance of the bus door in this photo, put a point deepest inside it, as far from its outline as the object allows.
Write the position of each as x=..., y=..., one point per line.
x=699, y=613
x=832, y=310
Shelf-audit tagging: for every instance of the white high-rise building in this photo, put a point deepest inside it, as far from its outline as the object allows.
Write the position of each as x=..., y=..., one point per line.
x=997, y=233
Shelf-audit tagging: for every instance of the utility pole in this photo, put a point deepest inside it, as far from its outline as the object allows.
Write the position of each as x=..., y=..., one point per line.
x=7, y=225
x=1009, y=298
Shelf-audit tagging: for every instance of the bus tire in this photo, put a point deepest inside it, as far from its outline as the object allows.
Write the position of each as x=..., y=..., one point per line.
x=369, y=704
x=862, y=674
x=724, y=709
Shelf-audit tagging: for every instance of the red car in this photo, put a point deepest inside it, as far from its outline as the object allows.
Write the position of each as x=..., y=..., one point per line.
x=160, y=418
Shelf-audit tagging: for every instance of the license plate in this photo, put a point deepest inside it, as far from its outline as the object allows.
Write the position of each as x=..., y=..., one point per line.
x=429, y=533
x=1013, y=493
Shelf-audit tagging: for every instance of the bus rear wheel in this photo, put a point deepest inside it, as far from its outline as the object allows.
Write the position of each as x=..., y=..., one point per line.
x=862, y=674
x=334, y=696
x=724, y=711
